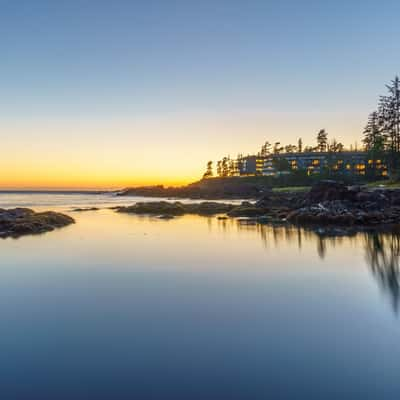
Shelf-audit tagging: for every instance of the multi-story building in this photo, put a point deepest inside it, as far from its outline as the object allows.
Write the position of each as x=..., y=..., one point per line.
x=349, y=162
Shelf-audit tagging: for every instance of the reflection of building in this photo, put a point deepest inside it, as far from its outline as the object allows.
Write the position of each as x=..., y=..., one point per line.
x=348, y=162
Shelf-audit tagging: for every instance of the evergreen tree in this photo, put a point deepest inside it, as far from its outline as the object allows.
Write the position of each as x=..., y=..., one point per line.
x=374, y=140
x=322, y=140
x=300, y=145
x=389, y=120
x=308, y=149
x=373, y=136
x=290, y=148
x=225, y=166
x=278, y=148
x=339, y=147
x=335, y=146
x=219, y=168
x=265, y=149
x=209, y=170
x=232, y=168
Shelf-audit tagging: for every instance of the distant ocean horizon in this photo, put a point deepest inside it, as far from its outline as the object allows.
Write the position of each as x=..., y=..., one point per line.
x=67, y=200
x=69, y=191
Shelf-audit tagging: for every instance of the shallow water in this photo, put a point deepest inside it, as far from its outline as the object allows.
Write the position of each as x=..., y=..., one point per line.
x=121, y=306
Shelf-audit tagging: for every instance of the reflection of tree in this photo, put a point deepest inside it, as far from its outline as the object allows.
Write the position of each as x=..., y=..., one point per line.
x=321, y=246
x=382, y=249
x=383, y=253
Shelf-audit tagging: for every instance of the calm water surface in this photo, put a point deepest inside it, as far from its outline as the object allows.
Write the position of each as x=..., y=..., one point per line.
x=128, y=307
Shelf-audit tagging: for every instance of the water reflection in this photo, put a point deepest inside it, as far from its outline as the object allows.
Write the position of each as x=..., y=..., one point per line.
x=382, y=254
x=382, y=250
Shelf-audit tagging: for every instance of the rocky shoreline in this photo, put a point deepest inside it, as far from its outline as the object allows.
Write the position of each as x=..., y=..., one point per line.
x=329, y=207
x=17, y=222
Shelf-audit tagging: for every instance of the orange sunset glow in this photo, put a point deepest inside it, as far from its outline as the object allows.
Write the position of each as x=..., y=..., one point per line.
x=161, y=149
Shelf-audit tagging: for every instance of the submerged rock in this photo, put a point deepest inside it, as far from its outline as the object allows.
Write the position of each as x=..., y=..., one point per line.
x=24, y=221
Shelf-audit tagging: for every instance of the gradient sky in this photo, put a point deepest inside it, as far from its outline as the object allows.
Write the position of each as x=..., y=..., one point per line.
x=115, y=93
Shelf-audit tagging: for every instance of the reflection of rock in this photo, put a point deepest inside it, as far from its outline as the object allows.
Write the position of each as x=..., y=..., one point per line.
x=247, y=210
x=23, y=221
x=176, y=208
x=383, y=254
x=154, y=208
x=166, y=216
x=85, y=209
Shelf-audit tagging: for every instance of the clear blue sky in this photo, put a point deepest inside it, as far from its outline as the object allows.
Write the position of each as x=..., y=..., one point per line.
x=198, y=61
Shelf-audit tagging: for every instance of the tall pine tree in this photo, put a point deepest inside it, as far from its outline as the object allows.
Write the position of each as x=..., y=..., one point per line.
x=389, y=121
x=374, y=141
x=322, y=140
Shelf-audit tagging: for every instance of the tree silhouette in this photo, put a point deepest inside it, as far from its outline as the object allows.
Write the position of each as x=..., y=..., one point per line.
x=322, y=140
x=383, y=255
x=308, y=149
x=225, y=166
x=209, y=170
x=300, y=145
x=278, y=148
x=389, y=120
x=290, y=148
x=335, y=146
x=265, y=149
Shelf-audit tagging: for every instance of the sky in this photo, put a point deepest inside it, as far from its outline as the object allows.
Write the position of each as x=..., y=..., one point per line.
x=108, y=94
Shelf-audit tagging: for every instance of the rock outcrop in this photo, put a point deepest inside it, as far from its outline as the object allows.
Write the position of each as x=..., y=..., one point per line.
x=332, y=203
x=24, y=221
